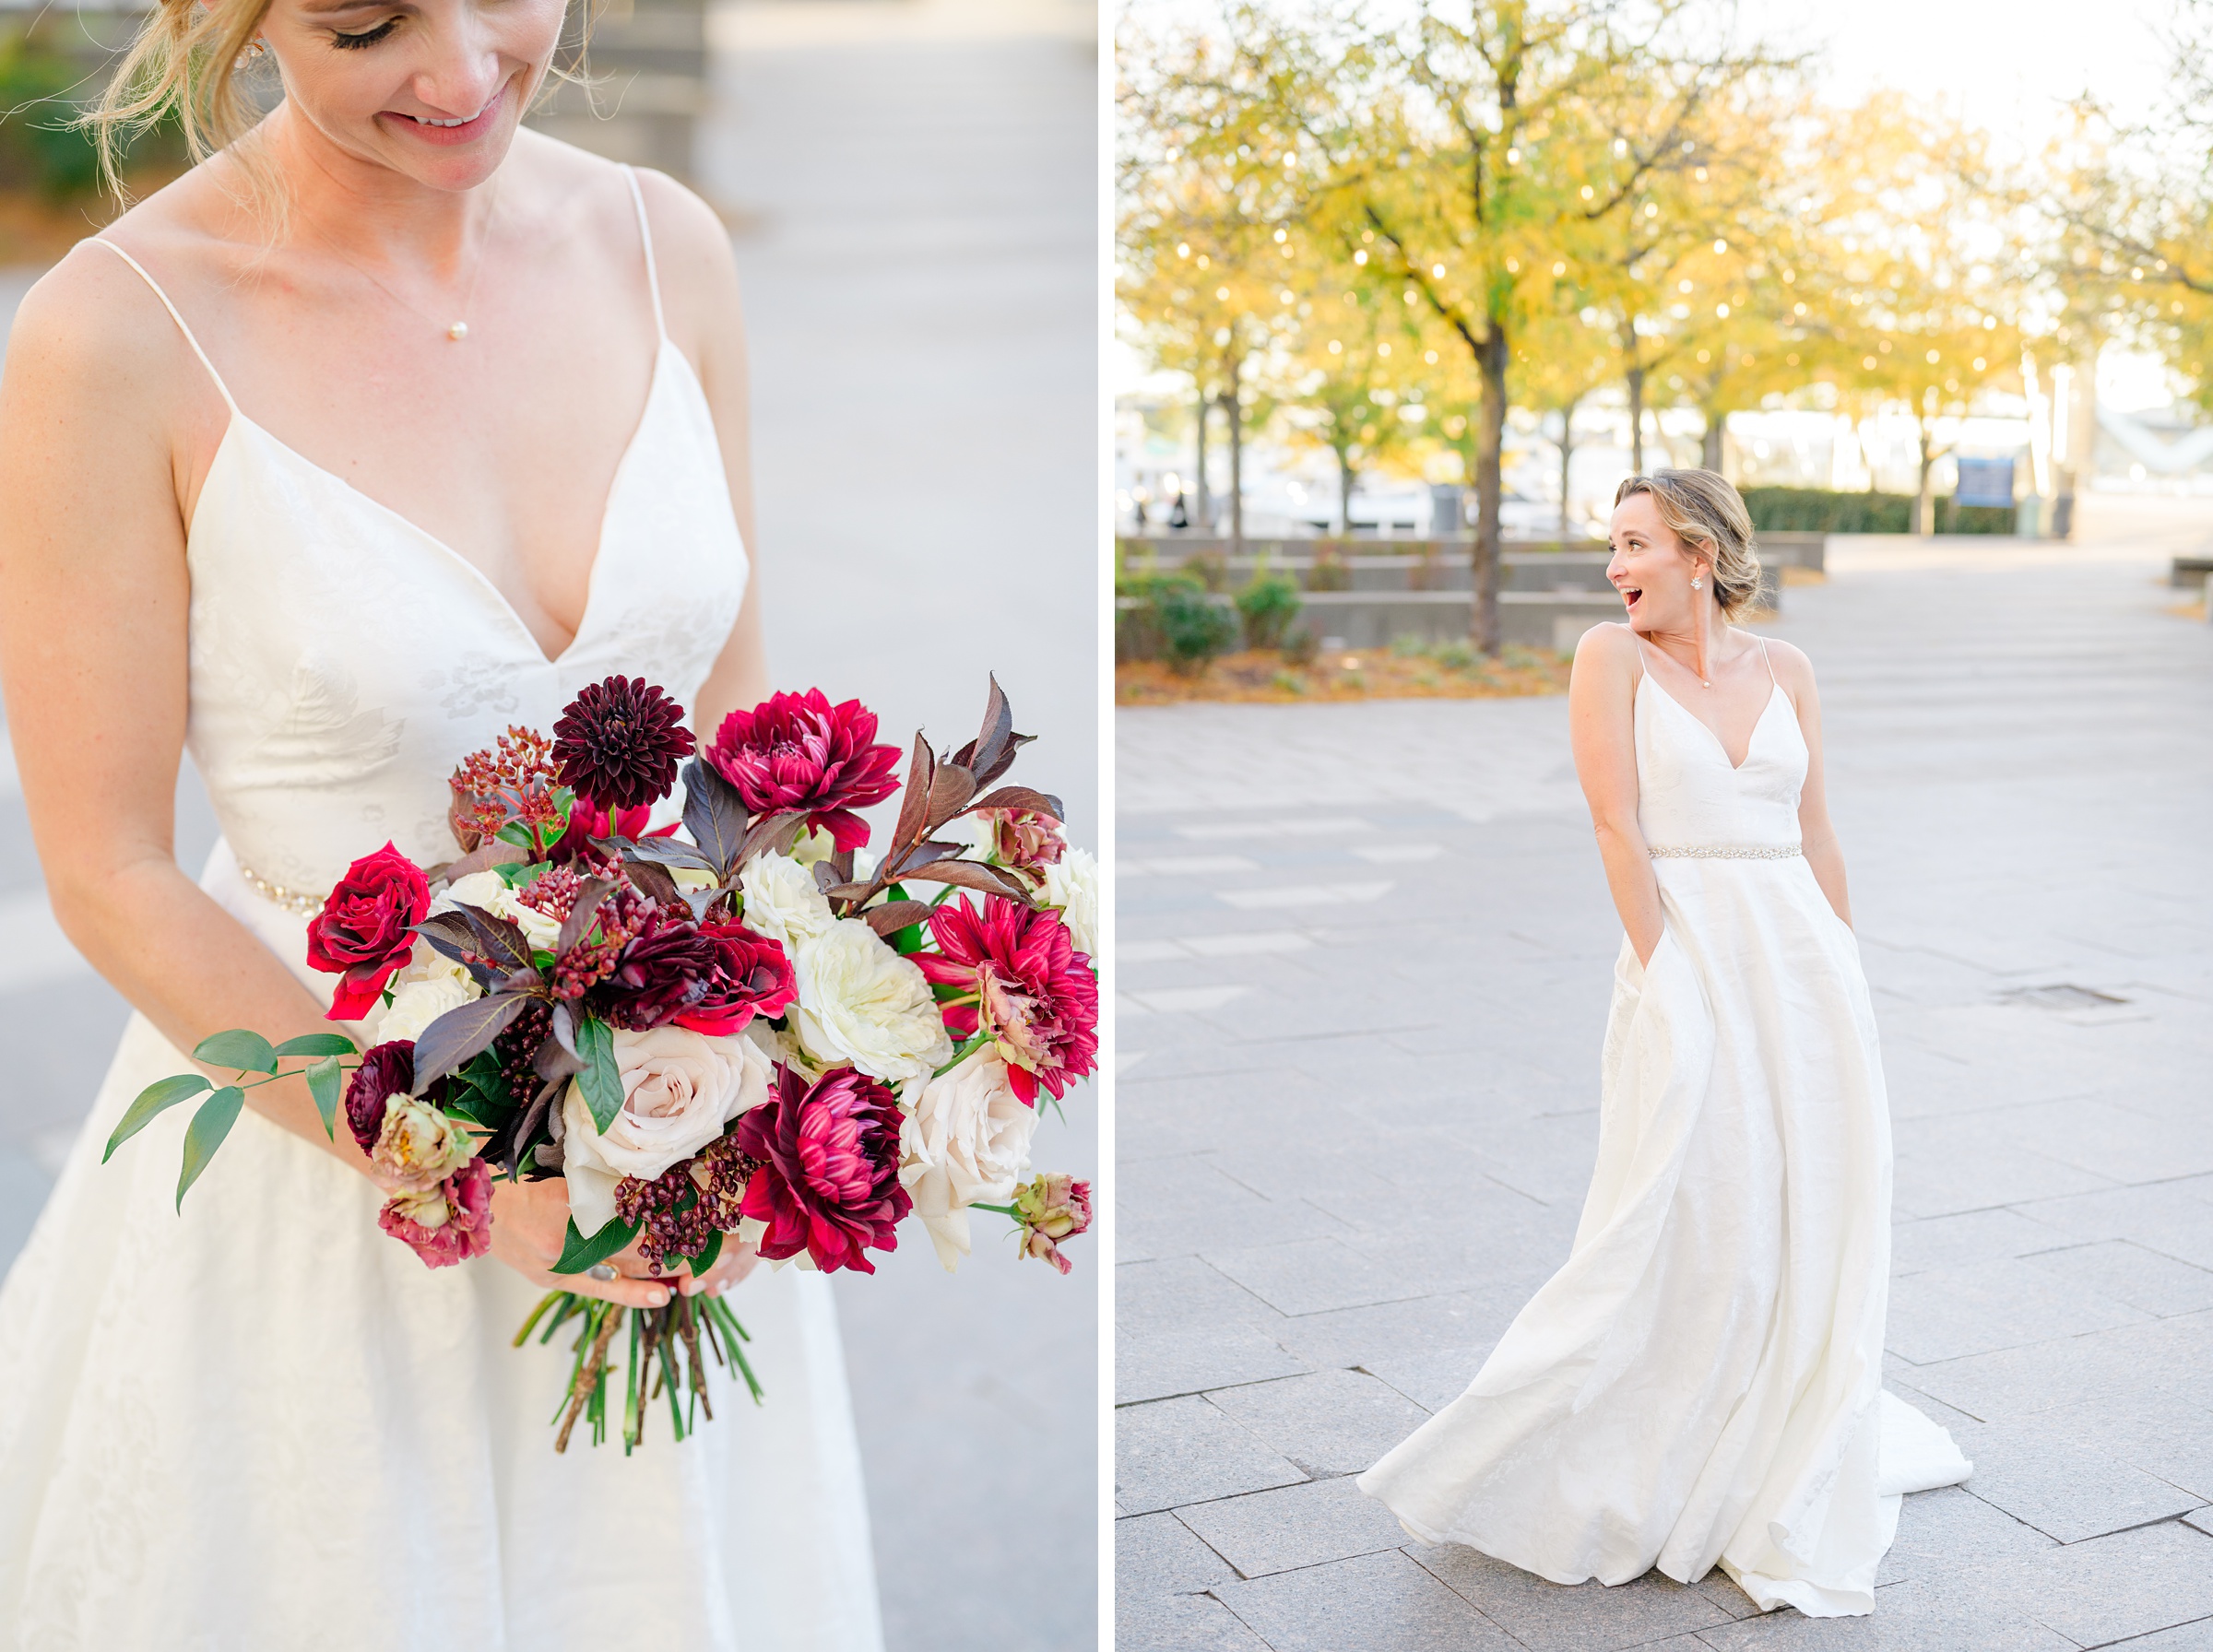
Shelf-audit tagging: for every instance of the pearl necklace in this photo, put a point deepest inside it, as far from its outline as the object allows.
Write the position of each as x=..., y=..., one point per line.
x=457, y=330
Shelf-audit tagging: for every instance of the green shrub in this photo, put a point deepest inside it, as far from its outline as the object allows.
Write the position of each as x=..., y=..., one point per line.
x=1268, y=606
x=38, y=147
x=1170, y=617
x=1826, y=511
x=1329, y=572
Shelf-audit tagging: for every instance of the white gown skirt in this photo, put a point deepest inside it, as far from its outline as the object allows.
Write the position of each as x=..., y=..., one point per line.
x=263, y=1426
x=1700, y=1383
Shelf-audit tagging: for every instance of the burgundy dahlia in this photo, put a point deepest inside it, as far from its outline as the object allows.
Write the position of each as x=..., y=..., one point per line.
x=450, y=1223
x=829, y=1178
x=618, y=742
x=388, y=1069
x=1034, y=993
x=365, y=931
x=798, y=753
x=713, y=978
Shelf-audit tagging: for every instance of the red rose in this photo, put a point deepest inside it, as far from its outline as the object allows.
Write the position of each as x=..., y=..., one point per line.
x=1034, y=993
x=753, y=977
x=829, y=1178
x=798, y=753
x=365, y=930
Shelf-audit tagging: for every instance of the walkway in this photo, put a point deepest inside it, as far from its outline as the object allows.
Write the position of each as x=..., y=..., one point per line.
x=1365, y=954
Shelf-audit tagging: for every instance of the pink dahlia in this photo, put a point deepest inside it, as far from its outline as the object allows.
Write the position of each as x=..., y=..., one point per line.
x=1033, y=992
x=1026, y=839
x=449, y=1223
x=829, y=1178
x=798, y=753
x=366, y=929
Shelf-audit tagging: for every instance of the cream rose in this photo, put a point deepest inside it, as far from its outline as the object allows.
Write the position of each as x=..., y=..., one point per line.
x=861, y=1002
x=966, y=1139
x=1071, y=883
x=782, y=901
x=487, y=892
x=679, y=1087
x=422, y=993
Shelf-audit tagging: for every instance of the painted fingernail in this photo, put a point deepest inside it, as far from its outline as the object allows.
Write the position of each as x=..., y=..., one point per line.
x=660, y=1299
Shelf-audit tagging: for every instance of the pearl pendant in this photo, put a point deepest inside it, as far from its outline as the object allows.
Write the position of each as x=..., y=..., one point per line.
x=457, y=332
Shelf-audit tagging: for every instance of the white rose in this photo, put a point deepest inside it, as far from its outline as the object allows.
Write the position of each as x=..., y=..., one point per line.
x=1071, y=883
x=782, y=901
x=420, y=994
x=966, y=1139
x=861, y=1002
x=679, y=1087
x=487, y=892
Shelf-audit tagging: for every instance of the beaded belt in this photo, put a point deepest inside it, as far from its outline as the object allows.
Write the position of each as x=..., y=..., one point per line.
x=1725, y=852
x=292, y=899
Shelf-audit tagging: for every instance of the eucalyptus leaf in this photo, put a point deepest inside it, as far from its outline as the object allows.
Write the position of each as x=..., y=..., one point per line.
x=319, y=1043
x=578, y=1252
x=156, y=1098
x=205, y=1133
x=238, y=1049
x=324, y=1085
x=601, y=1084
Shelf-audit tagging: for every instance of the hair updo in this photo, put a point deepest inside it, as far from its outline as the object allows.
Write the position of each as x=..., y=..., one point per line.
x=1703, y=511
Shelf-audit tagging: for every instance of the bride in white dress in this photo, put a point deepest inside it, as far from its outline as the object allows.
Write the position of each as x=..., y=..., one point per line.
x=382, y=429
x=1700, y=1383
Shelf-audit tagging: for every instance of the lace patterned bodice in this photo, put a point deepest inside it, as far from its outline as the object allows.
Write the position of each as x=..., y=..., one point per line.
x=344, y=660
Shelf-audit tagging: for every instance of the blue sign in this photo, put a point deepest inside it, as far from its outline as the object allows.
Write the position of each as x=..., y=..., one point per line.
x=1985, y=482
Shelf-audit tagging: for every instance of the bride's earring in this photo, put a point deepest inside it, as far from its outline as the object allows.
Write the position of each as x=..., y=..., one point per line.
x=1698, y=584
x=254, y=48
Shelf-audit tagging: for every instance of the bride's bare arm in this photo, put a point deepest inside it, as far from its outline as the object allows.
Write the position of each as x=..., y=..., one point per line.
x=699, y=279
x=104, y=432
x=1824, y=854
x=1602, y=723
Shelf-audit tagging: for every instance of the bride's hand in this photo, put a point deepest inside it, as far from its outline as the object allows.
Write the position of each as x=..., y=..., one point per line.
x=530, y=1224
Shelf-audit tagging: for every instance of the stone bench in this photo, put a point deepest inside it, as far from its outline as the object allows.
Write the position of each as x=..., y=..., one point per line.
x=2188, y=573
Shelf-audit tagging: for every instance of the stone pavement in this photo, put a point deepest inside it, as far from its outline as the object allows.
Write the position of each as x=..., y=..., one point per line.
x=911, y=187
x=1365, y=953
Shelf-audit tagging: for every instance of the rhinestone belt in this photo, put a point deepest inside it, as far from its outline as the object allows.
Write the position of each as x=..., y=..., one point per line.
x=1725, y=852
x=292, y=899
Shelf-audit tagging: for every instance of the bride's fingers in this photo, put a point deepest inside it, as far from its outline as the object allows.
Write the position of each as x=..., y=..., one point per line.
x=622, y=1289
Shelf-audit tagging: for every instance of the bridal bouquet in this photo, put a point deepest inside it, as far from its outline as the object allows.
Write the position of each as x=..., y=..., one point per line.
x=737, y=1026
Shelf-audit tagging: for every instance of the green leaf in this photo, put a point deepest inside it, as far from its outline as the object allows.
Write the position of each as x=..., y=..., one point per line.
x=521, y=874
x=578, y=1253
x=323, y=1084
x=238, y=1049
x=318, y=1044
x=208, y=1127
x=515, y=833
x=157, y=1097
x=601, y=1084
x=708, y=1252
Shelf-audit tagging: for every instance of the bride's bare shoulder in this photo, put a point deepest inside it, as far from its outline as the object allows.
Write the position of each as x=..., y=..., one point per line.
x=1609, y=645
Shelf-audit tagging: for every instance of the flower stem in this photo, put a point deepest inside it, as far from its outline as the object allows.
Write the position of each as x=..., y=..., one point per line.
x=587, y=1379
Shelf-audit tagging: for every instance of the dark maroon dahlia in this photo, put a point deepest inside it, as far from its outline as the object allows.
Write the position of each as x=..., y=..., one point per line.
x=618, y=743
x=1024, y=984
x=713, y=978
x=829, y=1178
x=388, y=1069
x=798, y=753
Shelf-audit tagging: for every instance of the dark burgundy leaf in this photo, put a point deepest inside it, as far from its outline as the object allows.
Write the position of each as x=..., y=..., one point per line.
x=590, y=895
x=848, y=891
x=894, y=915
x=489, y=854
x=919, y=775
x=556, y=1058
x=497, y=939
x=714, y=814
x=970, y=874
x=668, y=851
x=454, y=1036
x=949, y=794
x=654, y=882
x=1021, y=796
x=770, y=835
x=922, y=854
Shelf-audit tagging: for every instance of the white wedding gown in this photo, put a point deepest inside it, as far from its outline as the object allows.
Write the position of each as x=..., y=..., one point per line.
x=1700, y=1383
x=263, y=1426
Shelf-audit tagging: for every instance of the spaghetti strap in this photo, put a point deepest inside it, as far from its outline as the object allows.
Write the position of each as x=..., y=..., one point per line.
x=176, y=316
x=1772, y=679
x=653, y=274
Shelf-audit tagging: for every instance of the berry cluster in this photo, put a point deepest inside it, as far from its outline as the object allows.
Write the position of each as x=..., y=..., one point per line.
x=678, y=1212
x=514, y=779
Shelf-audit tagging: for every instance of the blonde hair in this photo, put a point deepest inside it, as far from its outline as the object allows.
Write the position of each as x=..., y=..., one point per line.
x=184, y=63
x=1702, y=510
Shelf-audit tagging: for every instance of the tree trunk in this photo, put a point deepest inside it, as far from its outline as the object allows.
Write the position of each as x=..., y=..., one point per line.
x=1925, y=502
x=1344, y=492
x=1231, y=405
x=1637, y=419
x=1491, y=359
x=1709, y=444
x=1567, y=452
x=1203, y=517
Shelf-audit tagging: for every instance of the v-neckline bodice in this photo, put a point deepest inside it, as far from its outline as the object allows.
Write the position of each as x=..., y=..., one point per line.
x=1774, y=692
x=444, y=552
